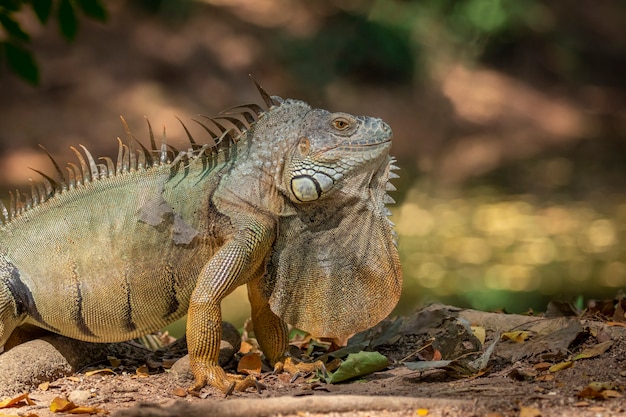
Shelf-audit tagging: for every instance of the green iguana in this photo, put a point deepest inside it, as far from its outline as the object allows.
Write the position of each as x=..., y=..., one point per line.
x=289, y=201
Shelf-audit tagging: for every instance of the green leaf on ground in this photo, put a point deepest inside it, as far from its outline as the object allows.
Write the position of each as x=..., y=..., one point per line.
x=359, y=364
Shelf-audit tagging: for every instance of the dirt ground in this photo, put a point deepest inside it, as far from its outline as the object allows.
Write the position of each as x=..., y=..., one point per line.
x=519, y=377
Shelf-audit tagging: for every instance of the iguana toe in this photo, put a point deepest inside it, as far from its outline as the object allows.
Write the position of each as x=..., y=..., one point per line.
x=215, y=377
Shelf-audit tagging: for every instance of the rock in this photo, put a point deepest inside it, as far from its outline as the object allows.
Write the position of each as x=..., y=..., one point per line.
x=30, y=364
x=182, y=372
x=79, y=397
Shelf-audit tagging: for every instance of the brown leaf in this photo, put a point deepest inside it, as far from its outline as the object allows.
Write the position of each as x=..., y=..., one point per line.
x=480, y=333
x=115, y=362
x=246, y=347
x=529, y=412
x=594, y=351
x=599, y=391
x=560, y=366
x=517, y=336
x=100, y=371
x=180, y=392
x=142, y=371
x=61, y=405
x=19, y=401
x=169, y=362
x=87, y=410
x=250, y=364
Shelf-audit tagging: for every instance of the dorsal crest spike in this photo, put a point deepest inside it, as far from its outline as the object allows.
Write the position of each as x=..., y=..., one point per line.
x=78, y=178
x=62, y=180
x=34, y=193
x=194, y=145
x=131, y=157
x=153, y=145
x=126, y=163
x=92, y=163
x=219, y=127
x=83, y=165
x=241, y=127
x=110, y=167
x=251, y=112
x=5, y=212
x=53, y=184
x=163, y=157
x=120, y=157
x=141, y=159
x=144, y=155
x=266, y=97
x=18, y=202
x=11, y=204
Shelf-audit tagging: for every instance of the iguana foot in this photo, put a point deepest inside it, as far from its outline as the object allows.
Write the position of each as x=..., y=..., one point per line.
x=215, y=377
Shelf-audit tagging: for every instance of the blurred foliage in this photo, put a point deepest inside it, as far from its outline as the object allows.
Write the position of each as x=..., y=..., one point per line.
x=489, y=250
x=14, y=47
x=351, y=46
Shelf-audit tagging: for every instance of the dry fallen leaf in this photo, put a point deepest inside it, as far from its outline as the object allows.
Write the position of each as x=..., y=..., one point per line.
x=250, y=364
x=169, y=362
x=594, y=351
x=180, y=392
x=421, y=412
x=100, y=371
x=599, y=391
x=142, y=371
x=246, y=347
x=18, y=401
x=480, y=333
x=517, y=336
x=529, y=412
x=542, y=366
x=61, y=405
x=115, y=362
x=560, y=366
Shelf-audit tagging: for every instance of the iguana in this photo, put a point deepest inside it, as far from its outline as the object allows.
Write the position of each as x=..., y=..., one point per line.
x=289, y=201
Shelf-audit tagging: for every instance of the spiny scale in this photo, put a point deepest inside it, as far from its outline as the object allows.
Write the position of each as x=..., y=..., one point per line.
x=130, y=158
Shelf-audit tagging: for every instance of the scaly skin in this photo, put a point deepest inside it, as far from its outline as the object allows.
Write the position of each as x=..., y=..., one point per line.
x=293, y=206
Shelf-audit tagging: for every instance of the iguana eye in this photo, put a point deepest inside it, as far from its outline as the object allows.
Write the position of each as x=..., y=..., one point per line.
x=341, y=124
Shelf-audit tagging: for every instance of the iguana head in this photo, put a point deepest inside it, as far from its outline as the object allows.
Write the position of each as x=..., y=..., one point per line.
x=331, y=147
x=334, y=269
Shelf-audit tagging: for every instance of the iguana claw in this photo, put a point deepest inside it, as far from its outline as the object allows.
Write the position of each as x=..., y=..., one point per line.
x=217, y=378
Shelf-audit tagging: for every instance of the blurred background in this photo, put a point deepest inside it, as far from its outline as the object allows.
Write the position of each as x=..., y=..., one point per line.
x=509, y=117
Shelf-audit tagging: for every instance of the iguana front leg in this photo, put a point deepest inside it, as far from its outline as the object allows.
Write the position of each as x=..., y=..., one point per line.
x=273, y=335
x=238, y=261
x=270, y=330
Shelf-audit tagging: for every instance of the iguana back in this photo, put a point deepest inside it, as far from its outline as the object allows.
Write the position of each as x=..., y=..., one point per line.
x=290, y=201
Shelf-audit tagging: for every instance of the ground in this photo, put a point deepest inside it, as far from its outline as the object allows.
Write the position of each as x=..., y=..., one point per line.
x=551, y=366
